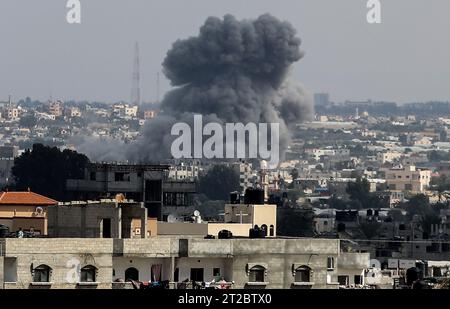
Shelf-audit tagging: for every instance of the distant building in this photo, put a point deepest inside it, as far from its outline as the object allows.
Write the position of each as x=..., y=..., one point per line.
x=12, y=113
x=55, y=108
x=246, y=176
x=149, y=114
x=388, y=156
x=321, y=99
x=408, y=178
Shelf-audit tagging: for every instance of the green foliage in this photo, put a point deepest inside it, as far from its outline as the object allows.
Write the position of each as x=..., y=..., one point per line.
x=441, y=183
x=337, y=203
x=438, y=156
x=358, y=190
x=361, y=197
x=27, y=121
x=420, y=205
x=45, y=170
x=219, y=182
x=295, y=222
x=370, y=229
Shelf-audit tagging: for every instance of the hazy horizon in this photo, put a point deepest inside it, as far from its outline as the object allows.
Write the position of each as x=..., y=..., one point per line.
x=404, y=59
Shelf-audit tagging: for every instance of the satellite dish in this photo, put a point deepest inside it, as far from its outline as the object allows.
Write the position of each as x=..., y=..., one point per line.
x=196, y=213
x=171, y=218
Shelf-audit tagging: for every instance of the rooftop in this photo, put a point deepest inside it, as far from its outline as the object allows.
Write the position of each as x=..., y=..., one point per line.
x=25, y=198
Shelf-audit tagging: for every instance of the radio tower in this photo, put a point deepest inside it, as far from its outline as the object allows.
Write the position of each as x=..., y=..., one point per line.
x=136, y=82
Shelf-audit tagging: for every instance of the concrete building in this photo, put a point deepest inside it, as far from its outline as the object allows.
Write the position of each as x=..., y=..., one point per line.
x=107, y=219
x=389, y=156
x=25, y=210
x=246, y=176
x=107, y=263
x=143, y=183
x=55, y=108
x=408, y=178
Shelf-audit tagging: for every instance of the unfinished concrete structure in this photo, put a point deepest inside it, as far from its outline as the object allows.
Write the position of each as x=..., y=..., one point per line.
x=144, y=183
x=97, y=219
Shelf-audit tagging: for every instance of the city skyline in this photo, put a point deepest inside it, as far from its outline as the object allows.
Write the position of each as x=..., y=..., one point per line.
x=93, y=61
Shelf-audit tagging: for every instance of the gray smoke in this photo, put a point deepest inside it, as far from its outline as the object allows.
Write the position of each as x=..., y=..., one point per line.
x=233, y=71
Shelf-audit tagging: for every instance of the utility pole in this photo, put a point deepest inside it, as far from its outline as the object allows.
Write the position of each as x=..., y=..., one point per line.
x=136, y=78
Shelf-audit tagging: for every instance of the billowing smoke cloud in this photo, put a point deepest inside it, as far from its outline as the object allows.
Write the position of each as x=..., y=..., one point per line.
x=233, y=71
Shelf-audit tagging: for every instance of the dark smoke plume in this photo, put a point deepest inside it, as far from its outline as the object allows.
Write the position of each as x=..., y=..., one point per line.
x=233, y=71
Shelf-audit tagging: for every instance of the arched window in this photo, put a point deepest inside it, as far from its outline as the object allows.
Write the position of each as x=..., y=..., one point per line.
x=264, y=228
x=303, y=274
x=132, y=273
x=88, y=274
x=257, y=274
x=272, y=230
x=42, y=273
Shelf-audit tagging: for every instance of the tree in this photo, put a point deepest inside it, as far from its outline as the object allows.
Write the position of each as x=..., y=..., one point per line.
x=358, y=190
x=336, y=203
x=294, y=173
x=361, y=197
x=418, y=205
x=219, y=182
x=45, y=170
x=27, y=121
x=370, y=229
x=295, y=222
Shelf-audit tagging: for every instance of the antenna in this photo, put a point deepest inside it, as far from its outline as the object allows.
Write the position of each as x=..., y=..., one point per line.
x=157, y=87
x=136, y=78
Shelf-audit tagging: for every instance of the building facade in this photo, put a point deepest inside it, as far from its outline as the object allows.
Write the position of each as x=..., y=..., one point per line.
x=107, y=263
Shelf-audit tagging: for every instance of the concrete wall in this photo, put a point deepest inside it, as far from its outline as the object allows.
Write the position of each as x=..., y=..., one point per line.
x=143, y=265
x=82, y=220
x=234, y=257
x=62, y=255
x=208, y=264
x=1, y=272
x=85, y=220
x=252, y=214
x=182, y=228
x=241, y=230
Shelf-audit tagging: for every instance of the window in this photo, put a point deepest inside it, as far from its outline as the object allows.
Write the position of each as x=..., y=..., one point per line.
x=41, y=273
x=343, y=280
x=257, y=274
x=325, y=223
x=330, y=263
x=131, y=274
x=176, y=275
x=88, y=274
x=264, y=228
x=93, y=176
x=358, y=279
x=272, y=230
x=216, y=272
x=303, y=274
x=106, y=228
x=197, y=274
x=121, y=176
